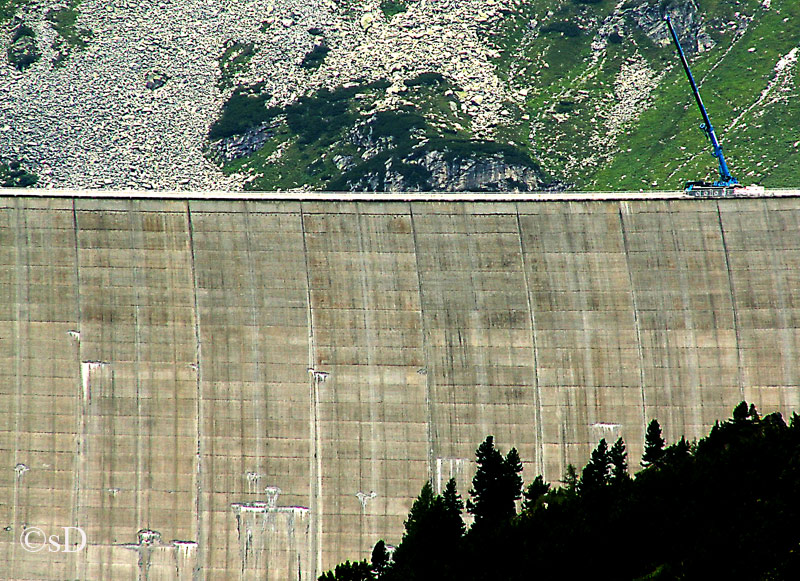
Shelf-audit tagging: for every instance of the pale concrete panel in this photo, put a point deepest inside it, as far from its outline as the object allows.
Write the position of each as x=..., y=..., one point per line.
x=368, y=351
x=763, y=245
x=688, y=337
x=585, y=329
x=41, y=381
x=253, y=330
x=477, y=321
x=137, y=343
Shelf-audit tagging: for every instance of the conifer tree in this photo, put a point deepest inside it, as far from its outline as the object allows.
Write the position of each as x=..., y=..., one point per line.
x=533, y=493
x=740, y=412
x=380, y=559
x=679, y=451
x=595, y=474
x=571, y=478
x=513, y=480
x=433, y=532
x=419, y=511
x=653, y=444
x=452, y=505
x=496, y=485
x=619, y=462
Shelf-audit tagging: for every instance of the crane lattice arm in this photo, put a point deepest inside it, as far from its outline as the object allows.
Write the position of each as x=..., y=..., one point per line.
x=726, y=179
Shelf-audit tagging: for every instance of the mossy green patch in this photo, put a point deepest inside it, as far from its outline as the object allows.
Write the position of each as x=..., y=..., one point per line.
x=245, y=108
x=23, y=50
x=393, y=7
x=9, y=8
x=316, y=56
x=234, y=61
x=64, y=21
x=13, y=175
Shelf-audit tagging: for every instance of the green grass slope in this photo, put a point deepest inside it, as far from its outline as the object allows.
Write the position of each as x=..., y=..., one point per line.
x=573, y=92
x=602, y=101
x=333, y=138
x=754, y=107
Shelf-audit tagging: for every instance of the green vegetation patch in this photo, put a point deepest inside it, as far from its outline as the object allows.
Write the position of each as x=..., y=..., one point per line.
x=9, y=8
x=22, y=52
x=568, y=29
x=234, y=61
x=64, y=21
x=21, y=31
x=427, y=79
x=392, y=7
x=316, y=56
x=311, y=133
x=322, y=116
x=13, y=175
x=336, y=137
x=245, y=108
x=461, y=148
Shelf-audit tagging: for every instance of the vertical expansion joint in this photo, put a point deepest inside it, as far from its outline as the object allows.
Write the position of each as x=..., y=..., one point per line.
x=21, y=298
x=430, y=428
x=315, y=459
x=141, y=504
x=197, y=365
x=634, y=304
x=369, y=327
x=534, y=346
x=80, y=464
x=260, y=398
x=735, y=311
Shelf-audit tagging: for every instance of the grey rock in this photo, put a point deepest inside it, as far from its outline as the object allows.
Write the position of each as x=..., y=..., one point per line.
x=343, y=162
x=441, y=170
x=155, y=80
x=686, y=19
x=242, y=145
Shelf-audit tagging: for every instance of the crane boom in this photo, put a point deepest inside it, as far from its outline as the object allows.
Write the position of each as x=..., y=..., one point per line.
x=726, y=179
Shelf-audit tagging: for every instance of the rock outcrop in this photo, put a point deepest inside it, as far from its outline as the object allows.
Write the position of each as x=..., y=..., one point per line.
x=686, y=18
x=443, y=170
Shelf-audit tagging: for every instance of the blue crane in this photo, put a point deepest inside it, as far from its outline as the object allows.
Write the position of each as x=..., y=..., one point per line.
x=726, y=180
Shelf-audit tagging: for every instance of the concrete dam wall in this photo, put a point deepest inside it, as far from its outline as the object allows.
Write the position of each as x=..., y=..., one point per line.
x=258, y=389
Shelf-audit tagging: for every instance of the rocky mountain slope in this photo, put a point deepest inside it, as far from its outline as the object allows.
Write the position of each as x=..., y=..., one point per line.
x=396, y=94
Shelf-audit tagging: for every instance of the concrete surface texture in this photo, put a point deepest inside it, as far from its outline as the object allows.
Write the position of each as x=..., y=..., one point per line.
x=258, y=389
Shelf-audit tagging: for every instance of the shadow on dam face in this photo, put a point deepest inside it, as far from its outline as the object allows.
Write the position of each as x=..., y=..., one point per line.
x=259, y=389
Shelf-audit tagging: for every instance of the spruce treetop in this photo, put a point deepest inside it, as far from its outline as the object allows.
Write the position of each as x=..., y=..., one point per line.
x=653, y=444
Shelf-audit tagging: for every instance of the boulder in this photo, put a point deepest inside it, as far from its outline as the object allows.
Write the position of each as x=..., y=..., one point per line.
x=155, y=80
